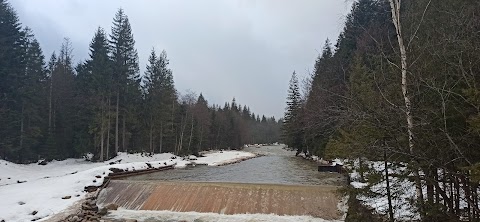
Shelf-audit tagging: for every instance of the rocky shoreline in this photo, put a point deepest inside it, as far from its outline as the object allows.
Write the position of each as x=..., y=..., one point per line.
x=90, y=212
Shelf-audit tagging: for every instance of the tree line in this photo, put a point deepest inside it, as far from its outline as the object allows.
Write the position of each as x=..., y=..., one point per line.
x=103, y=105
x=401, y=86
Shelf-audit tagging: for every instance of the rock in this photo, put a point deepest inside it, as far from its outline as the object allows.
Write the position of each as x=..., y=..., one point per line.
x=43, y=162
x=91, y=189
x=114, y=162
x=21, y=181
x=98, y=176
x=102, y=211
x=21, y=203
x=116, y=170
x=94, y=181
x=66, y=197
x=74, y=172
x=130, y=220
x=87, y=207
x=91, y=202
x=34, y=212
x=77, y=195
x=74, y=219
x=112, y=206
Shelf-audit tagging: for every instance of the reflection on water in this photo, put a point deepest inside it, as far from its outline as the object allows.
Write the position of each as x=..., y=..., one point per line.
x=278, y=166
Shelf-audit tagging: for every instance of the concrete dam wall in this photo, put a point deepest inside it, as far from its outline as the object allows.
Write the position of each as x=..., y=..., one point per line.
x=224, y=198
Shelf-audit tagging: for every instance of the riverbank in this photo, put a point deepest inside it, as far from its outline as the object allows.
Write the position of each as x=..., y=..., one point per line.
x=36, y=192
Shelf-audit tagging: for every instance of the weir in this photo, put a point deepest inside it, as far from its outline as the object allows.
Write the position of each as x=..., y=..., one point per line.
x=223, y=198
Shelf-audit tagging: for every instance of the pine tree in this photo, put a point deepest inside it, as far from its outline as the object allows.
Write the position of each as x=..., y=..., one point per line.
x=63, y=105
x=11, y=76
x=291, y=126
x=160, y=99
x=202, y=116
x=125, y=74
x=33, y=112
x=94, y=93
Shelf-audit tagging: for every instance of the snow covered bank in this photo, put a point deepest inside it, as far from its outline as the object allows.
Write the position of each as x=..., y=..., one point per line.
x=194, y=216
x=218, y=158
x=34, y=191
x=373, y=191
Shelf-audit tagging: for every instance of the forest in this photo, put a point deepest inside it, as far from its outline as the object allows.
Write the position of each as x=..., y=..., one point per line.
x=56, y=109
x=400, y=86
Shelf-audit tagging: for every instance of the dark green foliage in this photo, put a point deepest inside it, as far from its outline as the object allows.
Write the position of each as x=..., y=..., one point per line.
x=355, y=107
x=12, y=63
x=292, y=126
x=100, y=106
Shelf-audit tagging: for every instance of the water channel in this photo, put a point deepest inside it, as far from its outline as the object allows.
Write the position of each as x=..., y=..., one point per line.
x=277, y=166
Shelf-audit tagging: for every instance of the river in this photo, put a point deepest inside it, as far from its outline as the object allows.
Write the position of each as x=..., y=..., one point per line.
x=277, y=166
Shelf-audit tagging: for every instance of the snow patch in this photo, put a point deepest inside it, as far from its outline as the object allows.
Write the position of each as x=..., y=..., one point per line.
x=142, y=215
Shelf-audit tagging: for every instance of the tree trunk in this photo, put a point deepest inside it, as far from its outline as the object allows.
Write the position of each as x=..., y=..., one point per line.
x=201, y=139
x=191, y=135
x=452, y=208
x=101, y=144
x=50, y=104
x=102, y=129
x=180, y=144
x=151, y=134
x=22, y=122
x=430, y=189
x=116, y=121
x=395, y=9
x=108, y=127
x=387, y=179
x=161, y=137
x=435, y=184
x=468, y=195
x=457, y=195
x=124, y=118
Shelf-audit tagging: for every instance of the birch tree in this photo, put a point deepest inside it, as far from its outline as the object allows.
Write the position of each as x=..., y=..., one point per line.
x=395, y=10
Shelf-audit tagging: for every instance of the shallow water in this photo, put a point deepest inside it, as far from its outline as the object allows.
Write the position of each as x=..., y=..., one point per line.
x=278, y=166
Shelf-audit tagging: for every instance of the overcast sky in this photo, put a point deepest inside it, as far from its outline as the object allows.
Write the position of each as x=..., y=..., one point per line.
x=245, y=49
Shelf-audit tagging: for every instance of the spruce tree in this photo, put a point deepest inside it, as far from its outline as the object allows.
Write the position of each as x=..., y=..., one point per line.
x=33, y=120
x=160, y=99
x=126, y=76
x=290, y=126
x=11, y=76
x=94, y=89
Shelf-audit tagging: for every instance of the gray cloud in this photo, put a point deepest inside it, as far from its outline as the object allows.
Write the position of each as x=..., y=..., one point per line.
x=245, y=49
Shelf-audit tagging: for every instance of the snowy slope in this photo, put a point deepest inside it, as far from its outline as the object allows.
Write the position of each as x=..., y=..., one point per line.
x=43, y=187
